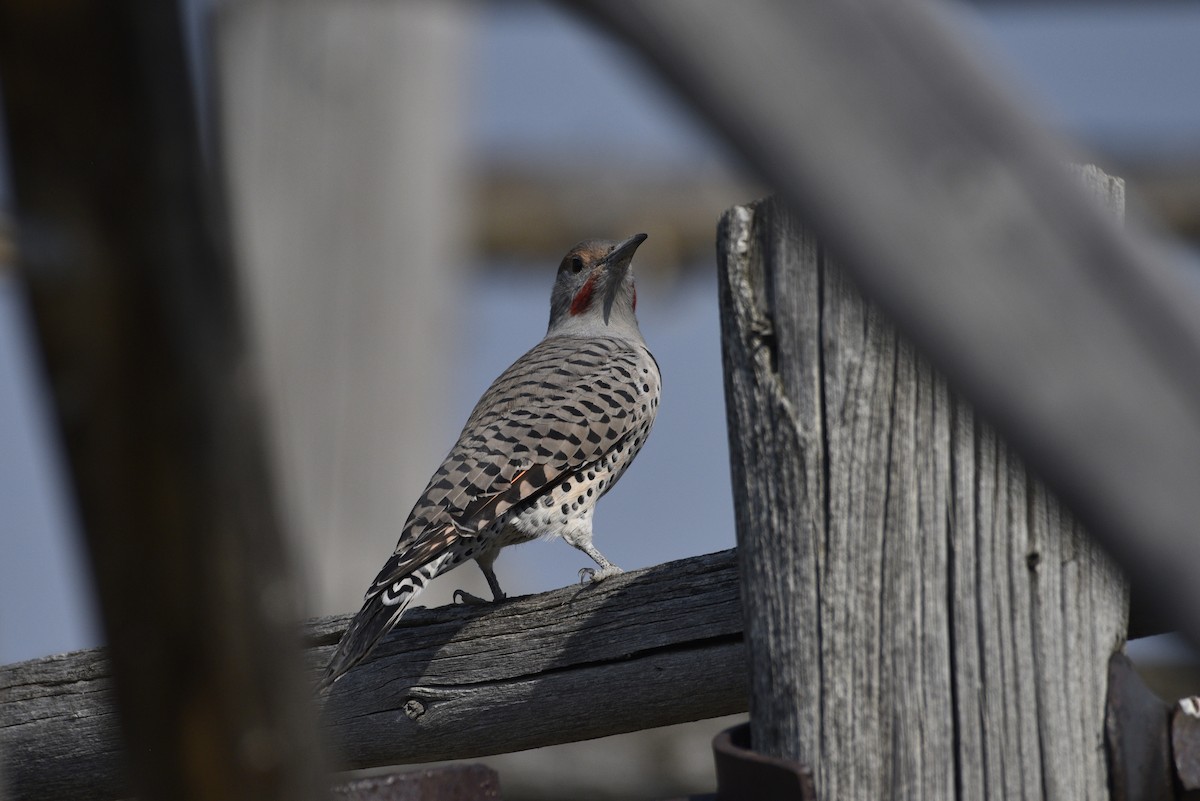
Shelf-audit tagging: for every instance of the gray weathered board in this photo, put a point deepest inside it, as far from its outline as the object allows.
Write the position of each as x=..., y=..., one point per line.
x=647, y=648
x=923, y=619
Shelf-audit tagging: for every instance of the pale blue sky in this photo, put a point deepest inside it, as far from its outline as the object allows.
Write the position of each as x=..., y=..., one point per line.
x=1119, y=76
x=1123, y=78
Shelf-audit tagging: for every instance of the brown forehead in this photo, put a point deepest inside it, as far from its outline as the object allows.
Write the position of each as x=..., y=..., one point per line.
x=590, y=250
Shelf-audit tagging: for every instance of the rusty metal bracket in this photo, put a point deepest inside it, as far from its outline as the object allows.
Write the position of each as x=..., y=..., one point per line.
x=744, y=775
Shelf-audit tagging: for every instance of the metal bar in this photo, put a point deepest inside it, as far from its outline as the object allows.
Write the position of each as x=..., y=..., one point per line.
x=450, y=783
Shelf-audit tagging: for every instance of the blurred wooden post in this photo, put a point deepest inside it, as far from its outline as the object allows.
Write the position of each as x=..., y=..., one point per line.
x=923, y=620
x=343, y=123
x=123, y=251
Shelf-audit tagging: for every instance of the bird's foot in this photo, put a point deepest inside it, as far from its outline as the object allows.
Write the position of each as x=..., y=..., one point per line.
x=467, y=599
x=588, y=575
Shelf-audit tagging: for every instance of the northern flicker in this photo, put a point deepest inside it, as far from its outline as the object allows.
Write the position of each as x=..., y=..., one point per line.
x=550, y=436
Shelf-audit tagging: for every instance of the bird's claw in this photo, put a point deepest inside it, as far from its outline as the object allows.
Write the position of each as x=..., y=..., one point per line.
x=467, y=599
x=588, y=575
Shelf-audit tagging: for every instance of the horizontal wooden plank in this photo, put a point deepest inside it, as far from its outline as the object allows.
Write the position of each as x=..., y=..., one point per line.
x=647, y=648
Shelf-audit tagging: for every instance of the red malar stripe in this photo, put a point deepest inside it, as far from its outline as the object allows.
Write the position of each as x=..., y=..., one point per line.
x=583, y=298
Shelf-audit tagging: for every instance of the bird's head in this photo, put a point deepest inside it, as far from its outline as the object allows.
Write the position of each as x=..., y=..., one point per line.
x=594, y=291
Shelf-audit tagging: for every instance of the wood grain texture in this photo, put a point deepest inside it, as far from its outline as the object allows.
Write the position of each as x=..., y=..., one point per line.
x=643, y=649
x=924, y=620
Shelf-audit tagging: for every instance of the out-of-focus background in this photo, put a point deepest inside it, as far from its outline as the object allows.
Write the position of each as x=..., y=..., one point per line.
x=404, y=178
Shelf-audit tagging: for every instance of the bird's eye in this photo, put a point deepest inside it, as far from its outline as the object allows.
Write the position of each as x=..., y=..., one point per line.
x=576, y=264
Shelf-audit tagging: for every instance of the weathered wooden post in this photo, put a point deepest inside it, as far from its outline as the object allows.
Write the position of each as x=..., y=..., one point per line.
x=349, y=230
x=923, y=620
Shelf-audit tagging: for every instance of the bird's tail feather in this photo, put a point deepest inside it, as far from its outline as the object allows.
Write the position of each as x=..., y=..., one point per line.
x=379, y=613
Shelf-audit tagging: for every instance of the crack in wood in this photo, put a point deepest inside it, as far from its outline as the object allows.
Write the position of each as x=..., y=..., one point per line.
x=697, y=645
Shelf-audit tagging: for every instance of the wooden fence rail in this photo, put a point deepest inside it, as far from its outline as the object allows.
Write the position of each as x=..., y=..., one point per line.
x=648, y=648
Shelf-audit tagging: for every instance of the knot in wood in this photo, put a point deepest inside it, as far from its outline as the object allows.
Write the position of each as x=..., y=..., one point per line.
x=414, y=708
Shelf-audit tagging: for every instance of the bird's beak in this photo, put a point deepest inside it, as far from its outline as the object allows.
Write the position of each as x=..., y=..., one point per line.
x=616, y=264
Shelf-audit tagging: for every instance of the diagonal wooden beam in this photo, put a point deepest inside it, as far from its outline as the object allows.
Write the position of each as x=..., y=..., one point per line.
x=1078, y=340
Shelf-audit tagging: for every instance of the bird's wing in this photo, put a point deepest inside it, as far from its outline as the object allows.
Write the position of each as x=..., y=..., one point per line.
x=559, y=408
x=562, y=406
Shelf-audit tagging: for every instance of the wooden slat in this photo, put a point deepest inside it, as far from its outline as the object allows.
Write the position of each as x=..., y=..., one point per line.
x=647, y=648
